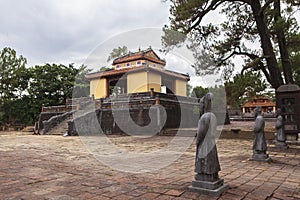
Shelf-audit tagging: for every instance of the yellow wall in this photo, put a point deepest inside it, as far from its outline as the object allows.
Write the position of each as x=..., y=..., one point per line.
x=154, y=81
x=137, y=82
x=98, y=88
x=180, y=87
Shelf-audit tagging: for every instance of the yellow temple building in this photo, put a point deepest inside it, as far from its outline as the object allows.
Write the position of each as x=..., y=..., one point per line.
x=267, y=105
x=137, y=72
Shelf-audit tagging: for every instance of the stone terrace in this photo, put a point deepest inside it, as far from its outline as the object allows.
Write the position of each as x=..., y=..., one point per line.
x=56, y=167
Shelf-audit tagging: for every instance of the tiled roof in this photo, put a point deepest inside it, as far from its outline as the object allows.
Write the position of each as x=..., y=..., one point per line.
x=108, y=73
x=262, y=104
x=134, y=69
x=146, y=55
x=262, y=101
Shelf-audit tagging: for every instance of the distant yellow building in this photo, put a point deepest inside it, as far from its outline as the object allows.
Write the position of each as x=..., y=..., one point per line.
x=135, y=73
x=267, y=105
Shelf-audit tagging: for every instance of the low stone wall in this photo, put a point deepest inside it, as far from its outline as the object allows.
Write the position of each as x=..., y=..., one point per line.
x=242, y=134
x=224, y=134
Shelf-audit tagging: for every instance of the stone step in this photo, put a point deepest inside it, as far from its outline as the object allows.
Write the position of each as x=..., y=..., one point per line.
x=61, y=128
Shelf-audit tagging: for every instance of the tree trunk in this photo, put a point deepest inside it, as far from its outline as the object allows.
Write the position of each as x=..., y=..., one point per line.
x=275, y=75
x=284, y=55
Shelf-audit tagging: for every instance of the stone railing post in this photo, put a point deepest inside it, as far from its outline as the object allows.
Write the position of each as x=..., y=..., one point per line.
x=152, y=92
x=157, y=100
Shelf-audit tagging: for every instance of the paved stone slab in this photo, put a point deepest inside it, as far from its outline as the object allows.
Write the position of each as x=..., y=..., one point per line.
x=55, y=167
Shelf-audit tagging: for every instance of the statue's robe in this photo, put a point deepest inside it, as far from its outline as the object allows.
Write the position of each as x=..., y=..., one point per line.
x=259, y=143
x=207, y=161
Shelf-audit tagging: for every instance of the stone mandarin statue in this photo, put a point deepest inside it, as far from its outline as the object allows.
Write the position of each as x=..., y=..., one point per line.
x=259, y=143
x=280, y=136
x=207, y=165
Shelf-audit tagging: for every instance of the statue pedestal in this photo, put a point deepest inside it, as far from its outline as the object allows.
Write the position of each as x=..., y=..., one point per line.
x=209, y=188
x=281, y=145
x=261, y=157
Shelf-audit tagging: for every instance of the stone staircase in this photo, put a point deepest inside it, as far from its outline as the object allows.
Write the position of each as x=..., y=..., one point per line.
x=61, y=128
x=58, y=125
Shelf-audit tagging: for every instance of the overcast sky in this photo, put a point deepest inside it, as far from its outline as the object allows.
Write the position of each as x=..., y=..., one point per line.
x=78, y=31
x=65, y=31
x=85, y=31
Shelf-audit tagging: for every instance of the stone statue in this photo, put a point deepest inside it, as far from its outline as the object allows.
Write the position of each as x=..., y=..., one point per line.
x=280, y=136
x=201, y=106
x=207, y=165
x=259, y=143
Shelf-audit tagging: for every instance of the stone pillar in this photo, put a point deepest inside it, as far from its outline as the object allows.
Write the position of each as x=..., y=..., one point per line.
x=157, y=100
x=67, y=104
x=152, y=92
x=140, y=117
x=101, y=103
x=78, y=106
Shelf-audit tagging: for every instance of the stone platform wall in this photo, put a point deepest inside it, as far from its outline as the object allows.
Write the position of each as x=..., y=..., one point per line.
x=100, y=116
x=102, y=120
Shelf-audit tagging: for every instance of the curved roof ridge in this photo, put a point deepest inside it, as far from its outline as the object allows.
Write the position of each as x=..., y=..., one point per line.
x=131, y=56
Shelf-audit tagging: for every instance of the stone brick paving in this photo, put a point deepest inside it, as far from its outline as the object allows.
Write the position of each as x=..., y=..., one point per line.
x=56, y=167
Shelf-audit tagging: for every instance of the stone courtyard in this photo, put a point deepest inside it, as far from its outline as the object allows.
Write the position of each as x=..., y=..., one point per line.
x=56, y=167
